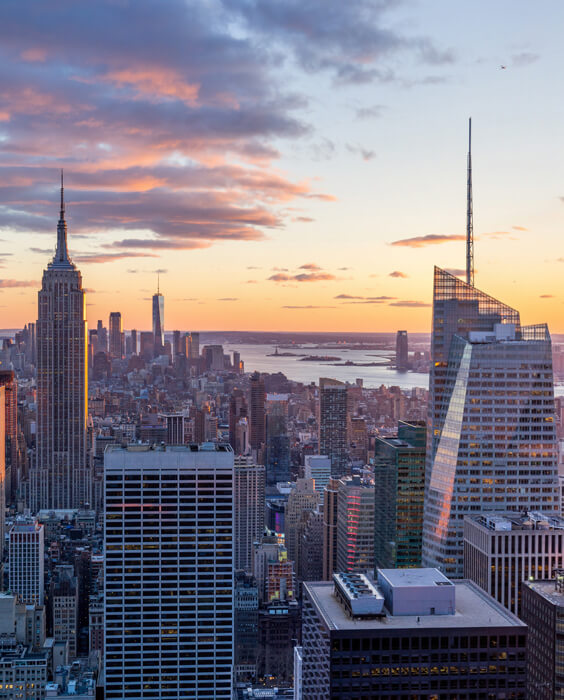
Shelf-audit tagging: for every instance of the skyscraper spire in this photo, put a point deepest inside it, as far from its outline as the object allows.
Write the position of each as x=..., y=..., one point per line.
x=469, y=214
x=62, y=253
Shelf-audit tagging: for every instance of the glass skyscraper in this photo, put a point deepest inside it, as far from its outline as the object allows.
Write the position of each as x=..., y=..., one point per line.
x=491, y=441
x=158, y=323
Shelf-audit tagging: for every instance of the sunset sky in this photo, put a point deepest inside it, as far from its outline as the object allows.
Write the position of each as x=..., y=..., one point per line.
x=285, y=164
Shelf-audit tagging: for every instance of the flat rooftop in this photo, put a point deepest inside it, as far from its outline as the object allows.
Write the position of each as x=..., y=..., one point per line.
x=547, y=590
x=530, y=520
x=475, y=609
x=408, y=578
x=143, y=456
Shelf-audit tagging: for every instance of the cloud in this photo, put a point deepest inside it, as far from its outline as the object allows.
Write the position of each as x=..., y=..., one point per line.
x=303, y=219
x=309, y=266
x=410, y=304
x=279, y=269
x=365, y=153
x=160, y=271
x=309, y=306
x=372, y=112
x=43, y=251
x=351, y=299
x=9, y=284
x=109, y=257
x=253, y=267
x=546, y=296
x=525, y=58
x=251, y=282
x=303, y=277
x=351, y=40
x=456, y=271
x=347, y=296
x=398, y=274
x=519, y=228
x=431, y=239
x=228, y=299
x=344, y=268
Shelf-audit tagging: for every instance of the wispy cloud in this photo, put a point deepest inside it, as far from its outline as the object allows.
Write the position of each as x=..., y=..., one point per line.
x=309, y=266
x=303, y=277
x=109, y=257
x=228, y=299
x=430, y=239
x=410, y=304
x=308, y=306
x=546, y=296
x=8, y=284
x=398, y=274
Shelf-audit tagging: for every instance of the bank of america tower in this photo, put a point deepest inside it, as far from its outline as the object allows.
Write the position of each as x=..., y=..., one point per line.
x=60, y=477
x=491, y=433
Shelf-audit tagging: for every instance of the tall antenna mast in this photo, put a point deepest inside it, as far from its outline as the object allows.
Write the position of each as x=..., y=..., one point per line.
x=158, y=282
x=469, y=214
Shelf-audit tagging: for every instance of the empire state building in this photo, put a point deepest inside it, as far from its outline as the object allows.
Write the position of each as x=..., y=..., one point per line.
x=61, y=477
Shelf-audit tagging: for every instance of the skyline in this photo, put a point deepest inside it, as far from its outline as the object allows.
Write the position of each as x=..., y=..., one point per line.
x=269, y=207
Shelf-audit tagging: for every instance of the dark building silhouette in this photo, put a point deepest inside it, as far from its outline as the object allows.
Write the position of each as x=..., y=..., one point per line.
x=401, y=351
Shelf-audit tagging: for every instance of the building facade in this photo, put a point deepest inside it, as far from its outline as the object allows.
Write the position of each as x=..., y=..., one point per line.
x=333, y=424
x=158, y=324
x=117, y=342
x=169, y=572
x=249, y=487
x=491, y=442
x=399, y=477
x=26, y=559
x=60, y=477
x=355, y=524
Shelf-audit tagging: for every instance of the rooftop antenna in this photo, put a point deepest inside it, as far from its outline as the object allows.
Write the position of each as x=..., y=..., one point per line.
x=158, y=282
x=62, y=197
x=469, y=214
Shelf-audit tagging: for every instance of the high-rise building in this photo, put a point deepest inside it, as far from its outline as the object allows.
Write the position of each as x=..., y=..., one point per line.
x=102, y=335
x=63, y=598
x=158, y=323
x=543, y=613
x=133, y=337
x=117, y=349
x=318, y=468
x=330, y=522
x=246, y=630
x=401, y=351
x=355, y=524
x=147, y=345
x=3, y=479
x=277, y=439
x=169, y=572
x=303, y=497
x=193, y=346
x=333, y=424
x=399, y=472
x=237, y=409
x=491, y=437
x=248, y=484
x=60, y=477
x=411, y=634
x=10, y=400
x=258, y=419
x=26, y=561
x=501, y=550
x=176, y=344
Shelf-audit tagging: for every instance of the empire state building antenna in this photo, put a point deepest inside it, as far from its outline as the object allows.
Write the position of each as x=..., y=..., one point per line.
x=469, y=214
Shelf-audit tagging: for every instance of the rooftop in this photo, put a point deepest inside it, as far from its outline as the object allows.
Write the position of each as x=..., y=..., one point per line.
x=403, y=578
x=475, y=609
x=530, y=520
x=547, y=589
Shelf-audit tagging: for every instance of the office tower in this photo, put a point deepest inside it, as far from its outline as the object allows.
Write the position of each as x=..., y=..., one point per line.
x=248, y=485
x=401, y=351
x=3, y=479
x=309, y=561
x=413, y=634
x=491, y=439
x=501, y=550
x=102, y=334
x=64, y=603
x=176, y=428
x=543, y=613
x=273, y=571
x=60, y=477
x=318, y=468
x=169, y=572
x=133, y=337
x=26, y=558
x=258, y=419
x=237, y=365
x=333, y=424
x=147, y=347
x=237, y=409
x=277, y=439
x=303, y=497
x=330, y=521
x=176, y=345
x=357, y=439
x=246, y=604
x=92, y=346
x=355, y=524
x=10, y=440
x=117, y=350
x=193, y=346
x=279, y=632
x=399, y=478
x=158, y=323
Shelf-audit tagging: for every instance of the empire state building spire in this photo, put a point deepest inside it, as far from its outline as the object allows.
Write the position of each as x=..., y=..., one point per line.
x=61, y=258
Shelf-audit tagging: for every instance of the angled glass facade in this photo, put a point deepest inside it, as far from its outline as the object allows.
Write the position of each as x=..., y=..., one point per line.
x=491, y=432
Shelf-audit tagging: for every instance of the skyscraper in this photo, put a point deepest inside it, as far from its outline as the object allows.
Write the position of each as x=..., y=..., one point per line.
x=117, y=349
x=491, y=441
x=333, y=424
x=60, y=478
x=2, y=468
x=277, y=439
x=248, y=487
x=8, y=382
x=355, y=524
x=26, y=558
x=169, y=572
x=158, y=322
x=401, y=351
x=258, y=420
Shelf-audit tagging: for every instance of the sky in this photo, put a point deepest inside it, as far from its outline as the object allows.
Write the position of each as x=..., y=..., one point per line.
x=281, y=165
